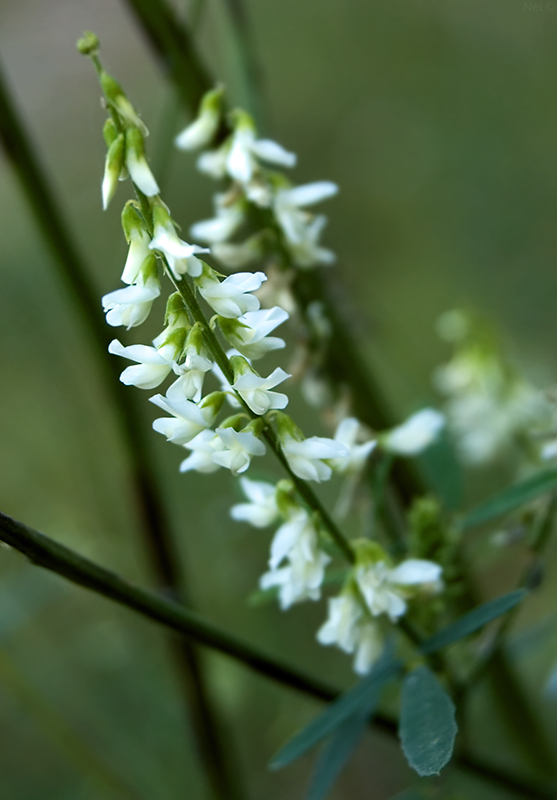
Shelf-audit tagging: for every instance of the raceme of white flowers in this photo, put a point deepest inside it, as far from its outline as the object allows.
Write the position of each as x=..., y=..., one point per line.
x=188, y=353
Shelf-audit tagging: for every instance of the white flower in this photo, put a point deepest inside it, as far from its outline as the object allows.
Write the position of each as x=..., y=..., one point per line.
x=416, y=434
x=188, y=419
x=305, y=458
x=301, y=229
x=203, y=129
x=238, y=448
x=153, y=365
x=229, y=217
x=368, y=648
x=245, y=149
x=347, y=434
x=137, y=253
x=256, y=393
x=131, y=306
x=250, y=337
x=348, y=628
x=262, y=510
x=179, y=254
x=203, y=447
x=136, y=163
x=384, y=589
x=230, y=297
x=341, y=627
x=301, y=579
x=213, y=162
x=112, y=169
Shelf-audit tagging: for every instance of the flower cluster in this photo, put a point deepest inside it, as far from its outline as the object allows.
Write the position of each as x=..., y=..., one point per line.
x=190, y=351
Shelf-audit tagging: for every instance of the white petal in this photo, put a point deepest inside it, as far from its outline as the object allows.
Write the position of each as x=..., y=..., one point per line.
x=308, y=194
x=273, y=152
x=415, y=571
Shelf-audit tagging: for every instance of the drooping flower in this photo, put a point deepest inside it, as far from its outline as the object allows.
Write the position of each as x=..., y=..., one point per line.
x=202, y=130
x=416, y=434
x=203, y=447
x=297, y=542
x=138, y=240
x=301, y=229
x=347, y=433
x=136, y=163
x=180, y=255
x=229, y=217
x=249, y=333
x=238, y=449
x=255, y=390
x=231, y=297
x=349, y=628
x=385, y=589
x=188, y=419
x=131, y=306
x=262, y=509
x=306, y=458
x=246, y=149
x=153, y=365
x=112, y=169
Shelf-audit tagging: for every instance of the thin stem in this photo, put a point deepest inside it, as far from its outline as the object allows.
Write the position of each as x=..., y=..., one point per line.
x=155, y=527
x=50, y=555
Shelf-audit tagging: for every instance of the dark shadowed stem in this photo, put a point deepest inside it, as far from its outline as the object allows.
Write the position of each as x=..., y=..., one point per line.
x=46, y=553
x=156, y=531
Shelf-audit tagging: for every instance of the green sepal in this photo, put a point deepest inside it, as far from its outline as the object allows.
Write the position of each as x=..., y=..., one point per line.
x=132, y=220
x=110, y=132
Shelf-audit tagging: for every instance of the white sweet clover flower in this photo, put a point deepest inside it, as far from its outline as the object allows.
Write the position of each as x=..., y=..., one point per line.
x=201, y=132
x=297, y=541
x=246, y=150
x=238, y=449
x=138, y=240
x=385, y=589
x=255, y=390
x=203, y=447
x=193, y=369
x=114, y=162
x=349, y=628
x=230, y=215
x=416, y=434
x=249, y=333
x=153, y=365
x=262, y=509
x=136, y=163
x=231, y=297
x=301, y=229
x=188, y=418
x=306, y=457
x=131, y=306
x=347, y=433
x=180, y=255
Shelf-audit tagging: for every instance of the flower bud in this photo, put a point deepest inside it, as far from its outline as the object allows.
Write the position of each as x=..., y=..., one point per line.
x=112, y=168
x=137, y=165
x=118, y=101
x=89, y=44
x=202, y=130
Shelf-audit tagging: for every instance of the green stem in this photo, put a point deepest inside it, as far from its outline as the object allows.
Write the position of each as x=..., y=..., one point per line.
x=156, y=529
x=50, y=555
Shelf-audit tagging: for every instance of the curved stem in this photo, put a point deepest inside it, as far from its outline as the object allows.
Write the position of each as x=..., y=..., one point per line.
x=155, y=528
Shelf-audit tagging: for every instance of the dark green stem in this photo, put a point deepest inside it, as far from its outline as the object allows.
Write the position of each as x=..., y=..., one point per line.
x=156, y=530
x=46, y=553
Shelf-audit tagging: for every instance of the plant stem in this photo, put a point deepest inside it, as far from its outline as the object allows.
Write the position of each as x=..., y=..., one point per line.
x=155, y=528
x=48, y=554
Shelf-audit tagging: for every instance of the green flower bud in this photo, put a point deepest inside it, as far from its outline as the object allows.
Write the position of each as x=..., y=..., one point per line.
x=112, y=169
x=110, y=131
x=88, y=44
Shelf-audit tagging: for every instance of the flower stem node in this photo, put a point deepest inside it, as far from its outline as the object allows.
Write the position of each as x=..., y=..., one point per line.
x=201, y=132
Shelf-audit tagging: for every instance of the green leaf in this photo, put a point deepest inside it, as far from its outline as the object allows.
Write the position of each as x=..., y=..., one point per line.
x=363, y=698
x=336, y=754
x=473, y=621
x=427, y=726
x=511, y=498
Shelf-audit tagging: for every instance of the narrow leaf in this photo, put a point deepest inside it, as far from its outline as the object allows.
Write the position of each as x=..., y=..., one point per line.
x=335, y=755
x=473, y=621
x=512, y=498
x=427, y=727
x=363, y=698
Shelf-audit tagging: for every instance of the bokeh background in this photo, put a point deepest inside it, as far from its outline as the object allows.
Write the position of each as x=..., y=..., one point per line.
x=438, y=120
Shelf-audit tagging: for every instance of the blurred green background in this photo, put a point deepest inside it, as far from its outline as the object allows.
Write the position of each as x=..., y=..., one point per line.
x=439, y=122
